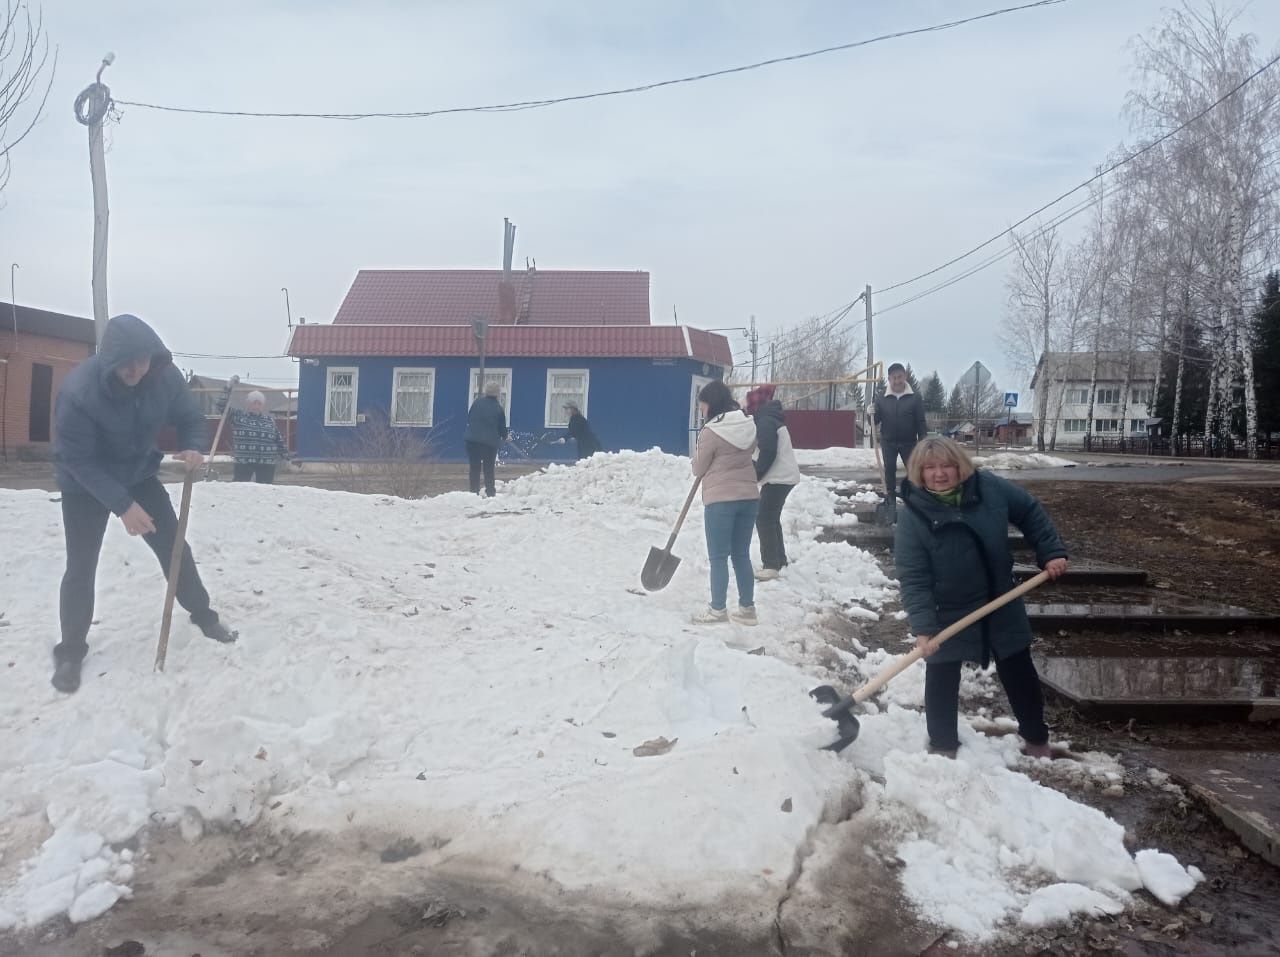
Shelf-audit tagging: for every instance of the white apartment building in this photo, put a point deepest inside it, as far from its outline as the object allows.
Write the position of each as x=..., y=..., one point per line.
x=1117, y=410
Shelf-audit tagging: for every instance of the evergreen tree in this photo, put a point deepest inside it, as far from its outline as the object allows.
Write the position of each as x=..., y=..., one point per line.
x=956, y=405
x=933, y=395
x=1195, y=385
x=912, y=380
x=1266, y=355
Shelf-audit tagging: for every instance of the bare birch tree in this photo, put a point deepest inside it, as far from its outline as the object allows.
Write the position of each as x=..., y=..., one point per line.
x=1028, y=329
x=1226, y=158
x=24, y=57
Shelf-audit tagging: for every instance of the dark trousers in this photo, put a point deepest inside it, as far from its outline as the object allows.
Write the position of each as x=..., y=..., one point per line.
x=255, y=472
x=1021, y=684
x=891, y=452
x=481, y=457
x=84, y=521
x=773, y=554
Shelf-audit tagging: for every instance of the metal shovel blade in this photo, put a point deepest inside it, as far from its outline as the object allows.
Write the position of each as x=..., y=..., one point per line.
x=886, y=514
x=659, y=569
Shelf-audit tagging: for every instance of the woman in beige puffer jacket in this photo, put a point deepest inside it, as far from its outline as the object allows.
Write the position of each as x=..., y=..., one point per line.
x=730, y=498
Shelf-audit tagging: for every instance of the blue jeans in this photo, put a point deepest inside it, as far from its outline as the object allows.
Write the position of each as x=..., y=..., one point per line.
x=729, y=526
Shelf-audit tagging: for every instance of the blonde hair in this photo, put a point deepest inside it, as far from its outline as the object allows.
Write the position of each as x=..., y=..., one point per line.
x=937, y=448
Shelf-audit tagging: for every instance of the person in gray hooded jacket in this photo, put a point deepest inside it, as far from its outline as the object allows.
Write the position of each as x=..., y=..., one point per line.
x=730, y=499
x=108, y=414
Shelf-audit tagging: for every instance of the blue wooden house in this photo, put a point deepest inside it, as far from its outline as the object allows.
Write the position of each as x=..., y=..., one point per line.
x=401, y=359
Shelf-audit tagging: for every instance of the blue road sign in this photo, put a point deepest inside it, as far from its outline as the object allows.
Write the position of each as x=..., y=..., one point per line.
x=1010, y=400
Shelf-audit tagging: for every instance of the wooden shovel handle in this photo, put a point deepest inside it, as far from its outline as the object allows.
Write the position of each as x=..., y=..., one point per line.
x=180, y=535
x=905, y=662
x=683, y=512
x=222, y=421
x=175, y=570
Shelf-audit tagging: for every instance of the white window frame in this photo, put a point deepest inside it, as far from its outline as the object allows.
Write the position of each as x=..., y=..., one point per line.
x=695, y=413
x=1077, y=397
x=1109, y=396
x=431, y=396
x=1075, y=425
x=475, y=390
x=1111, y=425
x=329, y=373
x=1137, y=426
x=1141, y=395
x=551, y=420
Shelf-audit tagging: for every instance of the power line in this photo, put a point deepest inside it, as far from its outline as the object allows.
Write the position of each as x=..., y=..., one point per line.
x=1093, y=179
x=1060, y=218
x=622, y=91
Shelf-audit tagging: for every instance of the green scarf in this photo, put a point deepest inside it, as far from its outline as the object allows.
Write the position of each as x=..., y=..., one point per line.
x=951, y=497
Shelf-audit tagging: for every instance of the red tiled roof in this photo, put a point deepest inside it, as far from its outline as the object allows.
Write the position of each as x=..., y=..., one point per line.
x=447, y=297
x=639, y=341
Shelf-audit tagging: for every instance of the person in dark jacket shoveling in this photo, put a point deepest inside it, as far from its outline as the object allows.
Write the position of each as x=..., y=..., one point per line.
x=486, y=431
x=951, y=548
x=580, y=432
x=108, y=414
x=777, y=472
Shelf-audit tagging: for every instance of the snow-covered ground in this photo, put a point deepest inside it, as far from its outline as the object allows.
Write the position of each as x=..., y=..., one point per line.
x=477, y=676
x=866, y=459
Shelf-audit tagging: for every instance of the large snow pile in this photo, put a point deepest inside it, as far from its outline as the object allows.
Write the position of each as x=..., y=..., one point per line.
x=477, y=675
x=866, y=459
x=837, y=458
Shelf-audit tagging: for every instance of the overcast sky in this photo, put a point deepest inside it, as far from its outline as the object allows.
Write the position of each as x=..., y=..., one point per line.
x=779, y=193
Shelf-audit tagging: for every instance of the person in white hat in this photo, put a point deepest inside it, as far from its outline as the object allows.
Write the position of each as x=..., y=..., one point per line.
x=256, y=441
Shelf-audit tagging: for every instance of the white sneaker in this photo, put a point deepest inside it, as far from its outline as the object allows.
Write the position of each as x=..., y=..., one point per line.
x=744, y=615
x=710, y=616
x=766, y=574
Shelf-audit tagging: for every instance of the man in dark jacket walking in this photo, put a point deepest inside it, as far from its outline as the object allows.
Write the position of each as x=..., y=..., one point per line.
x=108, y=414
x=486, y=430
x=899, y=415
x=580, y=432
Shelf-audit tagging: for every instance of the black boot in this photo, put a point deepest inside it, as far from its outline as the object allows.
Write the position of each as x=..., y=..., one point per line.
x=66, y=677
x=218, y=631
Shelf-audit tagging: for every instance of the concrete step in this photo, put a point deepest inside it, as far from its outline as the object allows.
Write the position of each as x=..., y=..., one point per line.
x=1238, y=787
x=1163, y=688
x=1164, y=613
x=1088, y=573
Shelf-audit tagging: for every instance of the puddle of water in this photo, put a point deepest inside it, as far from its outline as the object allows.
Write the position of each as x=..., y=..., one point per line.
x=1158, y=678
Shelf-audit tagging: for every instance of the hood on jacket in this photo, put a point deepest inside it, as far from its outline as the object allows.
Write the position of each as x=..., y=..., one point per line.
x=128, y=337
x=735, y=427
x=772, y=409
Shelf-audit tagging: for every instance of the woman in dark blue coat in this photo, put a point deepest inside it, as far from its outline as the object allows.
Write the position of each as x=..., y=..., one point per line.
x=952, y=554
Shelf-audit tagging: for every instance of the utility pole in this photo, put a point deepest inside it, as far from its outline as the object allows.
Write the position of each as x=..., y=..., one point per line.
x=773, y=361
x=871, y=360
x=755, y=348
x=288, y=313
x=91, y=108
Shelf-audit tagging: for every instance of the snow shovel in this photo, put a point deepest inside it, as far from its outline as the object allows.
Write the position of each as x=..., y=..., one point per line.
x=661, y=564
x=180, y=538
x=886, y=510
x=840, y=709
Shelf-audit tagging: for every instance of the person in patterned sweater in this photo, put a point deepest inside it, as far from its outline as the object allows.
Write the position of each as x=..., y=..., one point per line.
x=256, y=441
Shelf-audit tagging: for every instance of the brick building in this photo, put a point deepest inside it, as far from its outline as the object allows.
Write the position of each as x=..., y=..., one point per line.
x=37, y=350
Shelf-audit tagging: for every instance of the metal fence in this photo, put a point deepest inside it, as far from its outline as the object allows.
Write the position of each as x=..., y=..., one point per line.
x=1183, y=446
